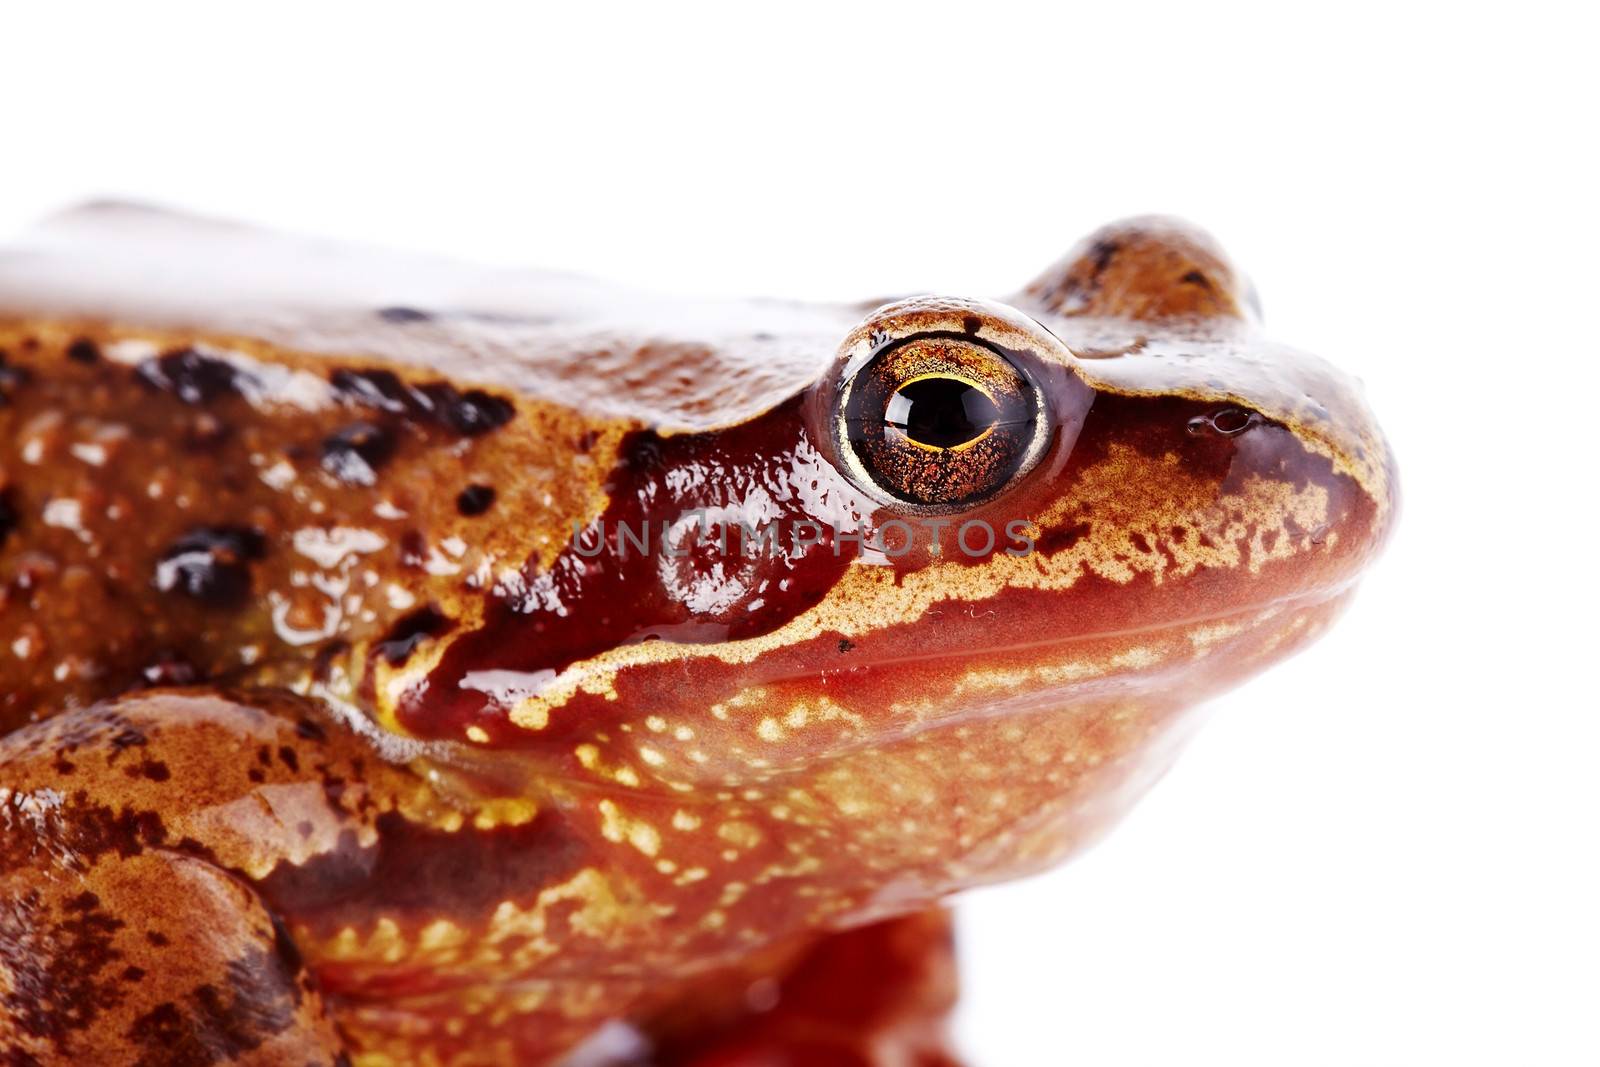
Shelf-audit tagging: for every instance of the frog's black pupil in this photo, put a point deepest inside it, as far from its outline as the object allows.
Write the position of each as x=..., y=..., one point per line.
x=941, y=412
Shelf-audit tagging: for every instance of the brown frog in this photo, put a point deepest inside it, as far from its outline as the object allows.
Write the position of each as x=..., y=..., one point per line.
x=404, y=663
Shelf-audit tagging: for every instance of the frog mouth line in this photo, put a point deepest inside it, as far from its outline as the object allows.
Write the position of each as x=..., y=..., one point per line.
x=1145, y=670
x=1281, y=604
x=1157, y=671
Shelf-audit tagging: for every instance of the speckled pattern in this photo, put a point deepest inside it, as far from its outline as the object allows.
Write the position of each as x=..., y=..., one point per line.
x=340, y=725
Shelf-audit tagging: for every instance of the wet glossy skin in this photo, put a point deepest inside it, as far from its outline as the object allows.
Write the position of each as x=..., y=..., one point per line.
x=329, y=738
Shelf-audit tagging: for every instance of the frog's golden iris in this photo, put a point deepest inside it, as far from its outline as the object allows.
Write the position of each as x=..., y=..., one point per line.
x=939, y=422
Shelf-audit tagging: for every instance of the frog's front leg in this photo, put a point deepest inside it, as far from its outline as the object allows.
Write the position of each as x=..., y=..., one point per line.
x=98, y=966
x=129, y=931
x=877, y=995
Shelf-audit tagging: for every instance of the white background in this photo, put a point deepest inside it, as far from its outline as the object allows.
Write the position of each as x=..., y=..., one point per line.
x=1381, y=853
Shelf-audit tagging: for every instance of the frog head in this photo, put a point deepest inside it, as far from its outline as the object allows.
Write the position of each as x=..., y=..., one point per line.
x=946, y=604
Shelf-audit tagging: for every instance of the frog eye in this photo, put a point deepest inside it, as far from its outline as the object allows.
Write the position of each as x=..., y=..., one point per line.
x=939, y=422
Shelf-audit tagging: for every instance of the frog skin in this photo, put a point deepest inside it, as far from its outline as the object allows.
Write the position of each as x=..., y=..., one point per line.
x=339, y=726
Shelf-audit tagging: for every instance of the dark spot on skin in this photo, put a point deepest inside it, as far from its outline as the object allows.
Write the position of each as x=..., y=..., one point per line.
x=256, y=775
x=1069, y=293
x=88, y=831
x=409, y=632
x=846, y=645
x=157, y=938
x=379, y=389
x=192, y=377
x=413, y=550
x=322, y=662
x=474, y=500
x=971, y=323
x=125, y=738
x=289, y=758
x=84, y=351
x=159, y=1028
x=471, y=413
x=304, y=828
x=53, y=959
x=403, y=315
x=1103, y=252
x=154, y=770
x=468, y=414
x=333, y=789
x=307, y=730
x=216, y=1023
x=211, y=564
x=644, y=458
x=1139, y=541
x=133, y=974
x=8, y=515
x=1062, y=538
x=264, y=755
x=354, y=454
x=586, y=440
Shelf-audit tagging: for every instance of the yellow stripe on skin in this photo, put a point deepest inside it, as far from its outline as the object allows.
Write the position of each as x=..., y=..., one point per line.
x=1235, y=526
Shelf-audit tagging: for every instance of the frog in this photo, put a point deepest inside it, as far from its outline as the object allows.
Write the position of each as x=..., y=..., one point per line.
x=406, y=662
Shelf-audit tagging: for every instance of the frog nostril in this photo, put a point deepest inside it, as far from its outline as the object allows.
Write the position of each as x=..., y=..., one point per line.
x=1226, y=422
